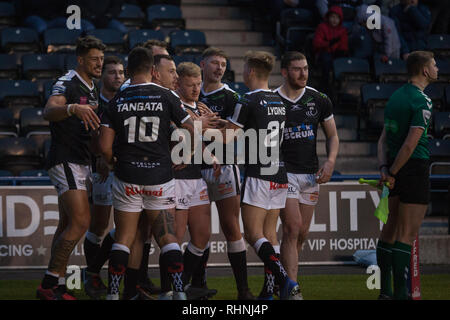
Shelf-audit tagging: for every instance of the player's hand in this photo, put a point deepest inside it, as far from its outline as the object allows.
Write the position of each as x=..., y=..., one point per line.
x=325, y=172
x=386, y=177
x=179, y=166
x=87, y=114
x=103, y=169
x=209, y=120
x=203, y=108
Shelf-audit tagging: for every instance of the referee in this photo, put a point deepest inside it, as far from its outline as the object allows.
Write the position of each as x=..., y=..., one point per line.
x=404, y=162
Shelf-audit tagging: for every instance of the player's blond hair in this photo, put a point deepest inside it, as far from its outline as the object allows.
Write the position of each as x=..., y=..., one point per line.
x=261, y=62
x=188, y=69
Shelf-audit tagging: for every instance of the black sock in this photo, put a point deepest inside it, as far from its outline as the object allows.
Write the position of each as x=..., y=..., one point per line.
x=143, y=270
x=117, y=266
x=269, y=283
x=191, y=262
x=267, y=254
x=238, y=261
x=49, y=281
x=131, y=280
x=164, y=276
x=102, y=255
x=199, y=275
x=90, y=251
x=174, y=262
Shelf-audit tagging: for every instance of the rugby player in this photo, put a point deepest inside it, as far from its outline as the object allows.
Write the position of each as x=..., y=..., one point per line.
x=265, y=184
x=140, y=116
x=193, y=205
x=71, y=111
x=306, y=109
x=226, y=190
x=403, y=157
x=111, y=80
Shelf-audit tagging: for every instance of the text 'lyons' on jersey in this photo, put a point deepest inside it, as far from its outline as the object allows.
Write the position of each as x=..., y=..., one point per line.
x=70, y=140
x=263, y=111
x=191, y=171
x=140, y=115
x=303, y=117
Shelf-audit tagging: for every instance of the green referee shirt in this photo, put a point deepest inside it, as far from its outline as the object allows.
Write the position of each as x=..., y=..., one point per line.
x=407, y=108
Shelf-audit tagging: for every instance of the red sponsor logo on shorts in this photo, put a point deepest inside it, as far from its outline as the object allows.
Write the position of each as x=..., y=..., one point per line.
x=276, y=186
x=131, y=191
x=204, y=195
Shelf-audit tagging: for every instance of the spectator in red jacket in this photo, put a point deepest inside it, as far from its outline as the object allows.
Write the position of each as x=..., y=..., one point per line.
x=330, y=42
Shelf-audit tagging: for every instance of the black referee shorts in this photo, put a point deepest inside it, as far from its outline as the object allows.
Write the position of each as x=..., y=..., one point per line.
x=412, y=182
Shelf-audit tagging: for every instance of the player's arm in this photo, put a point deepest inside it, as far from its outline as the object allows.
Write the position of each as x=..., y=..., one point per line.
x=105, y=143
x=189, y=125
x=332, y=145
x=383, y=160
x=57, y=109
x=407, y=149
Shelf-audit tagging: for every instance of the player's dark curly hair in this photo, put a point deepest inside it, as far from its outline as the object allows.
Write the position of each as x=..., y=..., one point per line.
x=84, y=44
x=140, y=60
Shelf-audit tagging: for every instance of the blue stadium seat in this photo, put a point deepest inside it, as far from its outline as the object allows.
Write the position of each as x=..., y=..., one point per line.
x=8, y=67
x=185, y=41
x=7, y=124
x=447, y=98
x=374, y=98
x=239, y=87
x=435, y=92
x=5, y=173
x=294, y=28
x=113, y=39
x=350, y=74
x=441, y=125
x=70, y=62
x=7, y=14
x=18, y=94
x=444, y=70
x=439, y=44
x=136, y=37
x=60, y=40
x=131, y=15
x=20, y=40
x=19, y=154
x=392, y=71
x=42, y=66
x=439, y=150
x=165, y=16
x=34, y=173
x=32, y=122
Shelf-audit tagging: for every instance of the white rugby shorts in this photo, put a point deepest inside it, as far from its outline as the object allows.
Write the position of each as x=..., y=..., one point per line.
x=69, y=176
x=227, y=184
x=190, y=193
x=130, y=197
x=304, y=188
x=264, y=194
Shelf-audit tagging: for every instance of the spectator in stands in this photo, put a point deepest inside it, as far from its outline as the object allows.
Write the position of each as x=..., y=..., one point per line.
x=412, y=20
x=364, y=41
x=102, y=13
x=330, y=41
x=440, y=15
x=47, y=14
x=348, y=7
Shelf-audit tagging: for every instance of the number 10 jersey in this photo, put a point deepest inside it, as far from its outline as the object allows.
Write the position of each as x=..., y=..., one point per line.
x=140, y=115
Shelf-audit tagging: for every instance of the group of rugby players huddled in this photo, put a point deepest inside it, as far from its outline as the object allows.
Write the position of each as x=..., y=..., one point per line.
x=112, y=148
